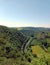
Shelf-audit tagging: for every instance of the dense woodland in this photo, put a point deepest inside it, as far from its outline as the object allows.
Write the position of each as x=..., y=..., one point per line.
x=13, y=39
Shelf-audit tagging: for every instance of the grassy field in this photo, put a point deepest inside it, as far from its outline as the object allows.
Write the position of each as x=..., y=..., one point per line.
x=40, y=52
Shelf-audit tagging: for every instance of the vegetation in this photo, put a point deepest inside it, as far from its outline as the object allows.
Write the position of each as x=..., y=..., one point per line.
x=12, y=40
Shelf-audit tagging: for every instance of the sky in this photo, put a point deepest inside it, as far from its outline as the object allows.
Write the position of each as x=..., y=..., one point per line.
x=22, y=13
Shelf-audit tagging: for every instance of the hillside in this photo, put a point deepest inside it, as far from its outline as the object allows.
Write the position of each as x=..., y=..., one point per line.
x=35, y=46
x=12, y=35
x=10, y=39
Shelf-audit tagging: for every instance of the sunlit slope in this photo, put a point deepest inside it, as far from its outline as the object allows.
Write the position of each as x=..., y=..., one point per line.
x=40, y=52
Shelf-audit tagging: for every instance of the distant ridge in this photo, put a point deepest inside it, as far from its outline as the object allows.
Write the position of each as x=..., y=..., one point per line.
x=33, y=28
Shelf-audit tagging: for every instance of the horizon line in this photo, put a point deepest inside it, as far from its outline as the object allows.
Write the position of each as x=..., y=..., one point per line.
x=24, y=26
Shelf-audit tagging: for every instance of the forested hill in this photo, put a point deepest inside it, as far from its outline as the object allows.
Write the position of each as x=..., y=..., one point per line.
x=11, y=37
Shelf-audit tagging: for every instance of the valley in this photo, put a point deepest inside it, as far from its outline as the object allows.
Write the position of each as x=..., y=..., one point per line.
x=24, y=46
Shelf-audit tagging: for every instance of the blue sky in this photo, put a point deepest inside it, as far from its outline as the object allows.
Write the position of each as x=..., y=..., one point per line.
x=17, y=13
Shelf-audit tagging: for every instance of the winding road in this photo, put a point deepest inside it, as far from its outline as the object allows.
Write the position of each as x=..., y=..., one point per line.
x=25, y=45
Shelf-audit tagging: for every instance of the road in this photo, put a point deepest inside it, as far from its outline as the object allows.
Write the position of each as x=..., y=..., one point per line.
x=25, y=45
